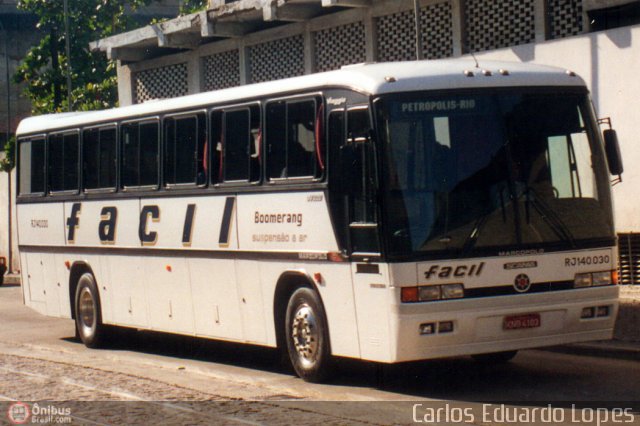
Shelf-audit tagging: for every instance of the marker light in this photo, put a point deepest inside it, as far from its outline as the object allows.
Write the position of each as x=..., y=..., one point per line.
x=428, y=328
x=588, y=312
x=602, y=311
x=445, y=327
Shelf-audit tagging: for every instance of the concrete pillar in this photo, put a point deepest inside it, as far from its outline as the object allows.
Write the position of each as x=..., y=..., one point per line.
x=541, y=22
x=309, y=50
x=194, y=73
x=245, y=63
x=125, y=84
x=370, y=36
x=457, y=26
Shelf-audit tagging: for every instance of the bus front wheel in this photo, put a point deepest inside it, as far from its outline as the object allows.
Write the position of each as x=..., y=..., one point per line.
x=307, y=336
x=88, y=316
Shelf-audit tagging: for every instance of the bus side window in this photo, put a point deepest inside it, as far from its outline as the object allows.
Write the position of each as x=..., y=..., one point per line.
x=31, y=166
x=99, y=158
x=139, y=154
x=214, y=147
x=237, y=136
x=293, y=130
x=358, y=136
x=184, y=144
x=276, y=140
x=63, y=162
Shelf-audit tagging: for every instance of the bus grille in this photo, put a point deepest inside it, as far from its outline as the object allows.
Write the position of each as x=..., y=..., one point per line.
x=629, y=259
x=508, y=290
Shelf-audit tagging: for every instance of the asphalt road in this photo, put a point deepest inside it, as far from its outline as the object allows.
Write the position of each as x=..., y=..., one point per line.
x=226, y=383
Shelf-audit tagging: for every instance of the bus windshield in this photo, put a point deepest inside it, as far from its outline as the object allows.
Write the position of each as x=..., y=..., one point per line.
x=491, y=171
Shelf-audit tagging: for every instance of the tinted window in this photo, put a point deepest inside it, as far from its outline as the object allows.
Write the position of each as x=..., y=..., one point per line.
x=185, y=161
x=63, y=162
x=240, y=145
x=140, y=154
x=32, y=156
x=291, y=139
x=99, y=158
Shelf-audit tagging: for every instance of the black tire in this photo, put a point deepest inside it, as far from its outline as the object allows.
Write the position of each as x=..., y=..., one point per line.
x=89, y=327
x=307, y=336
x=496, y=357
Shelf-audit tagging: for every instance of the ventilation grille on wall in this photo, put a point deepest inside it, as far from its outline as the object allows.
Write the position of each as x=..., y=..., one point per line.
x=160, y=83
x=436, y=22
x=566, y=18
x=277, y=59
x=222, y=70
x=339, y=46
x=629, y=258
x=494, y=24
x=396, y=37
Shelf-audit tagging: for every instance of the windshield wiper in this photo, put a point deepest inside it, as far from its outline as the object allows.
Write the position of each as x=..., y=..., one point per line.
x=548, y=215
x=472, y=238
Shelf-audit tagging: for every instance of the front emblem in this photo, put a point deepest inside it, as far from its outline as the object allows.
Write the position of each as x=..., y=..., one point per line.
x=522, y=283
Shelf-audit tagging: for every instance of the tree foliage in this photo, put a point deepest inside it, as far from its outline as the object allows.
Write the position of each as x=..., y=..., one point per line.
x=93, y=77
x=8, y=162
x=192, y=6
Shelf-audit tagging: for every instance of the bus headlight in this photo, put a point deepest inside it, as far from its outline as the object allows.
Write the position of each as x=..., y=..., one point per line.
x=601, y=278
x=582, y=280
x=427, y=293
x=452, y=291
x=431, y=292
x=593, y=279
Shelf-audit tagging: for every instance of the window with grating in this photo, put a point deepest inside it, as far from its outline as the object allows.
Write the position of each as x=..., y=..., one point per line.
x=277, y=59
x=160, y=83
x=221, y=70
x=396, y=37
x=629, y=258
x=565, y=18
x=339, y=46
x=494, y=24
x=436, y=23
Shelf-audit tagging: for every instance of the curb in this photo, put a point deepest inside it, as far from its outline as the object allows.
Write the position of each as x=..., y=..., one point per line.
x=604, y=349
x=11, y=279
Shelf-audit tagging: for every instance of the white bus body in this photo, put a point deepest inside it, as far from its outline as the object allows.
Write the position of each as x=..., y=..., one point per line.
x=222, y=259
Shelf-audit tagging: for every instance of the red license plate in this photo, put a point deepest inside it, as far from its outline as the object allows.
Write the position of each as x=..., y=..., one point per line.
x=515, y=322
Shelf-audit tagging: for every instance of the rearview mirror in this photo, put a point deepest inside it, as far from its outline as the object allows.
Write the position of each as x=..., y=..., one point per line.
x=612, y=149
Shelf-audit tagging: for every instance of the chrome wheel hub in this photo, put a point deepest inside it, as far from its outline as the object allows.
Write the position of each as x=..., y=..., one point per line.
x=86, y=310
x=304, y=333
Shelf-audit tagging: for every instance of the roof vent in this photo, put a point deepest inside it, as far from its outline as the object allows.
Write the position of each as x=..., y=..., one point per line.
x=502, y=71
x=487, y=73
x=390, y=79
x=468, y=73
x=570, y=73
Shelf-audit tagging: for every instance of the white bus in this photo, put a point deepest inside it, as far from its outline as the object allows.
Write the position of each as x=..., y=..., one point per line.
x=387, y=212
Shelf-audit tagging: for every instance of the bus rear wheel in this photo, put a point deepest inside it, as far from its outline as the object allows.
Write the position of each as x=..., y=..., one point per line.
x=307, y=336
x=89, y=325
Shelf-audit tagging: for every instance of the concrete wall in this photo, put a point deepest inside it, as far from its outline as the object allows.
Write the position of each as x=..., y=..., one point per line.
x=609, y=62
x=4, y=219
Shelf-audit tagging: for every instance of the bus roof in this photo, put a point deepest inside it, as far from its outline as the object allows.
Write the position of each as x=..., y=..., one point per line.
x=371, y=78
